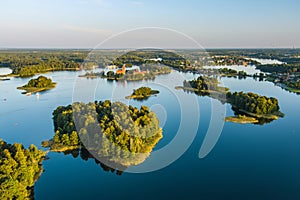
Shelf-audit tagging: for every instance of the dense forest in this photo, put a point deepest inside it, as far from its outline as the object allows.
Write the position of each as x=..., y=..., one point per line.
x=29, y=63
x=279, y=68
x=25, y=63
x=253, y=103
x=204, y=84
x=113, y=131
x=149, y=56
x=40, y=82
x=19, y=169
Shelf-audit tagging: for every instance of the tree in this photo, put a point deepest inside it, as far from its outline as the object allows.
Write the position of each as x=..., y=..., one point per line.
x=74, y=138
x=19, y=169
x=65, y=139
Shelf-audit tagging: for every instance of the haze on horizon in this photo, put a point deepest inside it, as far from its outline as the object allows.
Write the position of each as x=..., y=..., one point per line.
x=86, y=23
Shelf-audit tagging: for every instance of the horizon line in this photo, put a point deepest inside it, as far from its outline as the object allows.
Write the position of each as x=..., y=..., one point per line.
x=124, y=48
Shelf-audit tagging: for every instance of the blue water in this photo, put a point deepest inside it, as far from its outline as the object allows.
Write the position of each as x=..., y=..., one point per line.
x=248, y=161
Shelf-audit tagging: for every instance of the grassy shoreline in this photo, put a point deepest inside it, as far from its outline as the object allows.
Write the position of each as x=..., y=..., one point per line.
x=58, y=147
x=241, y=119
x=36, y=89
x=273, y=116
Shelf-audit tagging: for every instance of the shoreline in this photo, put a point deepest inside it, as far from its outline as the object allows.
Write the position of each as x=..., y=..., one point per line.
x=35, y=89
x=241, y=119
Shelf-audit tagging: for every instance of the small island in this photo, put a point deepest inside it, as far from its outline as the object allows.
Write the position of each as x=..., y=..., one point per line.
x=20, y=168
x=142, y=93
x=254, y=105
x=110, y=131
x=205, y=86
x=39, y=84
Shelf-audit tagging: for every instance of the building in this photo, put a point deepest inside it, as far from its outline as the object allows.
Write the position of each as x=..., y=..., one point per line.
x=122, y=70
x=113, y=68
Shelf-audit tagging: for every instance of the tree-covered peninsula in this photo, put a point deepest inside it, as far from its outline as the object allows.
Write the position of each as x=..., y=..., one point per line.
x=142, y=93
x=111, y=131
x=248, y=107
x=39, y=84
x=19, y=169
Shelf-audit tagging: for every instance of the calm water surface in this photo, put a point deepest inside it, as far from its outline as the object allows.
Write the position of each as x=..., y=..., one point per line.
x=248, y=161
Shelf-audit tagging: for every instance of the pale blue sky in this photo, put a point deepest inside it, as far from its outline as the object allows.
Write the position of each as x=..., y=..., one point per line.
x=213, y=23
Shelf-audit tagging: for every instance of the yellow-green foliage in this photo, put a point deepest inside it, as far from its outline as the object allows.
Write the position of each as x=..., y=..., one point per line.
x=19, y=169
x=112, y=130
x=40, y=82
x=204, y=83
x=253, y=103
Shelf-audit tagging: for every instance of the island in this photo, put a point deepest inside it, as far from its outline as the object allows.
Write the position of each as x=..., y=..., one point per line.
x=248, y=107
x=39, y=84
x=254, y=105
x=20, y=168
x=110, y=131
x=142, y=93
x=129, y=73
x=205, y=86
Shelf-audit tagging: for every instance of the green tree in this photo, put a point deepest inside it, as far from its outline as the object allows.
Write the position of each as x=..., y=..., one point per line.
x=74, y=140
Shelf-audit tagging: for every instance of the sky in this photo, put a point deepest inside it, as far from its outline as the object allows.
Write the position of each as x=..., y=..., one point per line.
x=157, y=23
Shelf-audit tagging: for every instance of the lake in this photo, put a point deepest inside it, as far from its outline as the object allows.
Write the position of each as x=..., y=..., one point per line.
x=247, y=162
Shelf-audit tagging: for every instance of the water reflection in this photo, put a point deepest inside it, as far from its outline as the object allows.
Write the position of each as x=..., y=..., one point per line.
x=85, y=155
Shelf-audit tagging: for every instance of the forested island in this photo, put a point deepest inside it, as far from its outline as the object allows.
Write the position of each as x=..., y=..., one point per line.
x=205, y=86
x=254, y=105
x=248, y=107
x=39, y=84
x=19, y=169
x=111, y=131
x=142, y=93
x=143, y=72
